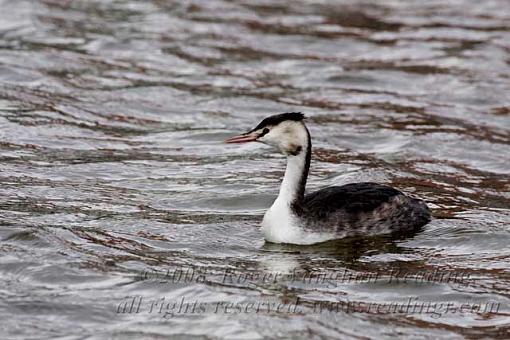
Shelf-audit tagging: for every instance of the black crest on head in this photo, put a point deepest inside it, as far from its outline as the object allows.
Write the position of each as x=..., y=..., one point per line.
x=277, y=119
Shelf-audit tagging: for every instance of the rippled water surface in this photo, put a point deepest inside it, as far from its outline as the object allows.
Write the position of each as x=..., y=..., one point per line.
x=114, y=176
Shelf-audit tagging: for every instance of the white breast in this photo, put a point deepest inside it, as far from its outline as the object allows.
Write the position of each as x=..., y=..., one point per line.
x=280, y=225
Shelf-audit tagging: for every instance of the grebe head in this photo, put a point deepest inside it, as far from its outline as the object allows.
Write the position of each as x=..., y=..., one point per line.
x=285, y=131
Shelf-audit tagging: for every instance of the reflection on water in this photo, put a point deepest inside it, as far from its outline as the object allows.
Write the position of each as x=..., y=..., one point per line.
x=112, y=115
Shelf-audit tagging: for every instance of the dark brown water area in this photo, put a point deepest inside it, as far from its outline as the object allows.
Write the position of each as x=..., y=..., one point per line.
x=123, y=214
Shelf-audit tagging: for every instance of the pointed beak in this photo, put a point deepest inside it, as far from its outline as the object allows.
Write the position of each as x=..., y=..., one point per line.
x=244, y=138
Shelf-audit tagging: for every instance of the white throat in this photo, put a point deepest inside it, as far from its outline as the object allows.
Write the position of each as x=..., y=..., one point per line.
x=289, y=189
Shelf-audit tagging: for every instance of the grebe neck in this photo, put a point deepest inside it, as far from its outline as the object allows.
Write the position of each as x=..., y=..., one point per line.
x=292, y=189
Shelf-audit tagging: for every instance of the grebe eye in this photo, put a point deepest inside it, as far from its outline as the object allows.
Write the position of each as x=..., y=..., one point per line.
x=266, y=130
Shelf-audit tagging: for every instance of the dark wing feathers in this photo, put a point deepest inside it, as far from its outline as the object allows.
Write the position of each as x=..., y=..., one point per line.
x=360, y=208
x=352, y=198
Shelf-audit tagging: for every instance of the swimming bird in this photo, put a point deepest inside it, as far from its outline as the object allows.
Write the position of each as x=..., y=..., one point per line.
x=356, y=209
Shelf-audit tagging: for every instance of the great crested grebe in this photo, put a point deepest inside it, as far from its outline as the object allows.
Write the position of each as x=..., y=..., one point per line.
x=333, y=212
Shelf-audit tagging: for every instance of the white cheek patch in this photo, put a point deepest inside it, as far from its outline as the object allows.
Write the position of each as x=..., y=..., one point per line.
x=270, y=138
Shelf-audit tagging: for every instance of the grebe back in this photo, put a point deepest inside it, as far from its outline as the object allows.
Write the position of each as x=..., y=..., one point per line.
x=333, y=212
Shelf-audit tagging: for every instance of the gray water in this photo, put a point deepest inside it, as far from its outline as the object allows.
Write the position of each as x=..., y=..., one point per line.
x=114, y=178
